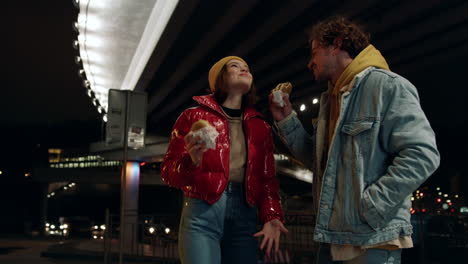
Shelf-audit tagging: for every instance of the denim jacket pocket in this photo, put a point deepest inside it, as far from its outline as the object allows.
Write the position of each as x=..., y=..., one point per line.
x=356, y=127
x=357, y=134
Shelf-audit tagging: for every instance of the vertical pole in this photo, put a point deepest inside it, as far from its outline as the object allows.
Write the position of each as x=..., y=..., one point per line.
x=44, y=204
x=123, y=181
x=107, y=237
x=422, y=258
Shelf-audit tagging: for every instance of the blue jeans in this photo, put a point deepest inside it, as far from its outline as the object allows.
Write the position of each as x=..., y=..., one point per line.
x=371, y=256
x=218, y=233
x=377, y=256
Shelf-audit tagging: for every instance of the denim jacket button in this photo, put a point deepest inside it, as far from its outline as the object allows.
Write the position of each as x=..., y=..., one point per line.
x=325, y=206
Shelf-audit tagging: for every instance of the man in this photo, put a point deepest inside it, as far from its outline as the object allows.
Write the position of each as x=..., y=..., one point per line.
x=372, y=147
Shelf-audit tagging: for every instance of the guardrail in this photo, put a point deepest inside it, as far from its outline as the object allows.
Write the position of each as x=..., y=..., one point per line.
x=156, y=236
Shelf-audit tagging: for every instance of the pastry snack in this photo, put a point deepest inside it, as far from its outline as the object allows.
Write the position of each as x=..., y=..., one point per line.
x=279, y=90
x=199, y=125
x=206, y=132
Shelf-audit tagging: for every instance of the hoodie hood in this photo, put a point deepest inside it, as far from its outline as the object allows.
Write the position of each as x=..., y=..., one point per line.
x=370, y=56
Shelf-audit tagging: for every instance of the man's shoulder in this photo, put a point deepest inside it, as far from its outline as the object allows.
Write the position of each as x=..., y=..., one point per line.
x=385, y=84
x=382, y=73
x=386, y=77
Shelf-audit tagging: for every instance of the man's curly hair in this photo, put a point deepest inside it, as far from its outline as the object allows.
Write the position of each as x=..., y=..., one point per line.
x=352, y=36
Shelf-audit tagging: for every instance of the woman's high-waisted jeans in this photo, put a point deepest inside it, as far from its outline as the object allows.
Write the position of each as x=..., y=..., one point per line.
x=219, y=233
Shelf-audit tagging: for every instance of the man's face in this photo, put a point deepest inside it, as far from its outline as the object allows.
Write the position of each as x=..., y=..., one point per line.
x=321, y=63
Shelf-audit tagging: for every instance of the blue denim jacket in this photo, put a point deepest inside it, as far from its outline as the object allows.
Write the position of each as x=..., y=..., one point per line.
x=382, y=150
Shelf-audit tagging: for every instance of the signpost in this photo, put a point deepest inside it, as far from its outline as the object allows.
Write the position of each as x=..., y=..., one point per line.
x=126, y=128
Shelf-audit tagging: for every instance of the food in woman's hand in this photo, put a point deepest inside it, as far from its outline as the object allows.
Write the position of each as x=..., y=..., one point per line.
x=199, y=125
x=206, y=132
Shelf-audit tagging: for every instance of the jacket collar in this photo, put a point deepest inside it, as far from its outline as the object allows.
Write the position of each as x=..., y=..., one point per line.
x=210, y=102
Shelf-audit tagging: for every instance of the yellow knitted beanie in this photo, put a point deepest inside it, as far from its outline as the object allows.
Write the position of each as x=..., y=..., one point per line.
x=216, y=68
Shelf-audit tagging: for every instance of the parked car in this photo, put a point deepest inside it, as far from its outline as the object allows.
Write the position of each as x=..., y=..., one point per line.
x=56, y=228
x=97, y=231
x=79, y=226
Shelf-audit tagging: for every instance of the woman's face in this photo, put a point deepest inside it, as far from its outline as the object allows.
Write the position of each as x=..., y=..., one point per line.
x=237, y=77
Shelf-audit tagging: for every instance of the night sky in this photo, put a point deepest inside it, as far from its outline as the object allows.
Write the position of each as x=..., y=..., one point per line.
x=43, y=103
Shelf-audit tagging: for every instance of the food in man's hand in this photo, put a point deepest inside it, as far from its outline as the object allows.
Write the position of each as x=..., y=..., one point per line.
x=285, y=87
x=280, y=89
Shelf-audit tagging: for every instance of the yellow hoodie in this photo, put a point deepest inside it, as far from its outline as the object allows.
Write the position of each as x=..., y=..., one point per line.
x=368, y=57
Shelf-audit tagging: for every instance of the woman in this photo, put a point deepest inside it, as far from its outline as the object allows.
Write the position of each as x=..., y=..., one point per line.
x=225, y=186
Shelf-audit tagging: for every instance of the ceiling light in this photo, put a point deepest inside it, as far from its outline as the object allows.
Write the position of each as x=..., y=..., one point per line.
x=81, y=73
x=314, y=101
x=157, y=22
x=302, y=108
x=100, y=33
x=75, y=27
x=77, y=59
x=76, y=3
x=76, y=44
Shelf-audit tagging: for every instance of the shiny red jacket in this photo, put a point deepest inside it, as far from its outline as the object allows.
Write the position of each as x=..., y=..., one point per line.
x=209, y=179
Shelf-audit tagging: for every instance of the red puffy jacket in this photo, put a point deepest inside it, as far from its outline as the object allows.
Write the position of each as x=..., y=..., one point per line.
x=208, y=181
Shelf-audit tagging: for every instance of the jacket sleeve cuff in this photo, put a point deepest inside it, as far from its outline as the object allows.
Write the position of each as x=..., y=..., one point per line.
x=270, y=211
x=280, y=124
x=288, y=125
x=267, y=218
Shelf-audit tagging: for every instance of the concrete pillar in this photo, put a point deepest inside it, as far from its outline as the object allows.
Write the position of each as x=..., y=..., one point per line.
x=130, y=228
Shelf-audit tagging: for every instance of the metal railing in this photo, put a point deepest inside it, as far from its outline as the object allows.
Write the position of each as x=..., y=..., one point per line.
x=156, y=237
x=151, y=236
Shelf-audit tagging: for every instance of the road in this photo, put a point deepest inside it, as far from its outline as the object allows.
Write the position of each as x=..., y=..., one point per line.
x=20, y=250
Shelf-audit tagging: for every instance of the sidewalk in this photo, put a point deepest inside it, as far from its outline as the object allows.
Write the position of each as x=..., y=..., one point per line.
x=93, y=250
x=21, y=249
